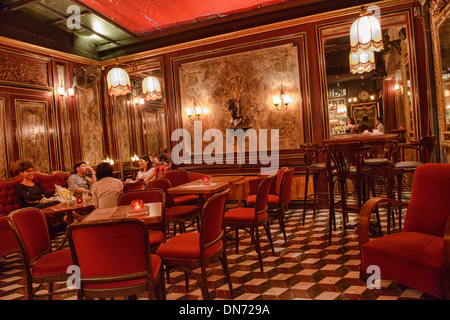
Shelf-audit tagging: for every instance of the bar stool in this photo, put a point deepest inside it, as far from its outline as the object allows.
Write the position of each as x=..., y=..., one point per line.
x=345, y=161
x=314, y=168
x=425, y=147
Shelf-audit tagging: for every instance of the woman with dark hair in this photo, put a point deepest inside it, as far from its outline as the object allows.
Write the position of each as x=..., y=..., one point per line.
x=146, y=170
x=106, y=190
x=30, y=193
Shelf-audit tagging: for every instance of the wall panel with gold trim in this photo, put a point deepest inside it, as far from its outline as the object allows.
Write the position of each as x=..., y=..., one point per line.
x=3, y=153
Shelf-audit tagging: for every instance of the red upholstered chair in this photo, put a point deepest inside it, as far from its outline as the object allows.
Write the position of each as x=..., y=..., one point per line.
x=176, y=214
x=192, y=250
x=274, y=188
x=252, y=218
x=115, y=260
x=41, y=264
x=157, y=232
x=419, y=256
x=178, y=177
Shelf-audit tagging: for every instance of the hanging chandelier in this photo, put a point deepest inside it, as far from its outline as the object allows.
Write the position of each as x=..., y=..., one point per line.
x=365, y=34
x=365, y=39
x=118, y=82
x=151, y=89
x=363, y=61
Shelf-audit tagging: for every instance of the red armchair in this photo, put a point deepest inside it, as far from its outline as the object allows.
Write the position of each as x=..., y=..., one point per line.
x=418, y=257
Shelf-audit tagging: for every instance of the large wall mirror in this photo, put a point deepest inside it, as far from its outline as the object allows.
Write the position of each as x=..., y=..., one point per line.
x=440, y=18
x=386, y=91
x=143, y=112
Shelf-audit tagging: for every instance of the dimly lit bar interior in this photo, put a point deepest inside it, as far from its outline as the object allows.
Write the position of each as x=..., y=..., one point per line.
x=194, y=150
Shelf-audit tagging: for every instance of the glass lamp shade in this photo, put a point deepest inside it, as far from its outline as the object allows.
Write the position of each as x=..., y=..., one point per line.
x=151, y=89
x=361, y=62
x=365, y=35
x=118, y=82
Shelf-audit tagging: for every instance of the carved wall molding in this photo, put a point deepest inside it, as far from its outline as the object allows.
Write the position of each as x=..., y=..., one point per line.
x=20, y=69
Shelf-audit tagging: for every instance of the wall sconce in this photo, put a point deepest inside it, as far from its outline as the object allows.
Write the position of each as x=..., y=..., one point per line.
x=282, y=99
x=61, y=90
x=71, y=92
x=110, y=161
x=196, y=111
x=396, y=87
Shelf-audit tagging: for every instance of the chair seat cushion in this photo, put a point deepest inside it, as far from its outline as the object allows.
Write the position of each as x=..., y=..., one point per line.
x=156, y=265
x=377, y=162
x=273, y=199
x=156, y=237
x=242, y=215
x=410, y=258
x=406, y=164
x=185, y=199
x=56, y=262
x=185, y=246
x=182, y=212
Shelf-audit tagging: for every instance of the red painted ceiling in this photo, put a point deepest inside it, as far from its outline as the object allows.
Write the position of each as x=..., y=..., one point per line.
x=144, y=16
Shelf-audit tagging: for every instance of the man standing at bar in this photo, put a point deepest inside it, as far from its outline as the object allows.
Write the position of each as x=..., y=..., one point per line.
x=79, y=182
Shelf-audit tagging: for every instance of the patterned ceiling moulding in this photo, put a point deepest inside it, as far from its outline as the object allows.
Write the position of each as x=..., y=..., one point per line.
x=23, y=70
x=238, y=90
x=438, y=5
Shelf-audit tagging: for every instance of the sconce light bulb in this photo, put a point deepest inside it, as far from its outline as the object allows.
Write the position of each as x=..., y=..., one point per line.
x=276, y=100
x=141, y=102
x=188, y=112
x=71, y=92
x=61, y=91
x=198, y=111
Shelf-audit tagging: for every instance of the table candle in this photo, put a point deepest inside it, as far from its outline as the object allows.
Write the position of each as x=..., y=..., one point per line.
x=137, y=205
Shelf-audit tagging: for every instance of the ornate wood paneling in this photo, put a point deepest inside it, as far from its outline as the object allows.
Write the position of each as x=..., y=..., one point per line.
x=124, y=127
x=32, y=133
x=151, y=132
x=3, y=154
x=90, y=125
x=24, y=70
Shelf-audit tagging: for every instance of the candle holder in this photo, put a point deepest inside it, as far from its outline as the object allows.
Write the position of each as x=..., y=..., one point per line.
x=137, y=208
x=206, y=180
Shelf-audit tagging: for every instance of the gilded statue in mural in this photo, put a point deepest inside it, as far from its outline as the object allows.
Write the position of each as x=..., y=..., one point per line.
x=238, y=119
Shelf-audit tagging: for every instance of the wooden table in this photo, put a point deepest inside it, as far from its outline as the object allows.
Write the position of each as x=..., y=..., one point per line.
x=63, y=208
x=361, y=137
x=153, y=216
x=198, y=188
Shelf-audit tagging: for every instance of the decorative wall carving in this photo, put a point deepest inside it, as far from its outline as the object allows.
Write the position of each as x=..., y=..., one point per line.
x=124, y=125
x=32, y=132
x=151, y=132
x=90, y=121
x=22, y=69
x=238, y=90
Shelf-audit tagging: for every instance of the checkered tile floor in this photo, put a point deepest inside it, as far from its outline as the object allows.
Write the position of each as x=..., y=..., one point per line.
x=307, y=266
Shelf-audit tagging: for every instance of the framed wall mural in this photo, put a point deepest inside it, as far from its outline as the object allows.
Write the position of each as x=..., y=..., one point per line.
x=237, y=91
x=32, y=133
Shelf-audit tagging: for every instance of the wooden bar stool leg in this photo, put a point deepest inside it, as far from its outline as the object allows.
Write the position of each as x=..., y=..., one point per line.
x=306, y=195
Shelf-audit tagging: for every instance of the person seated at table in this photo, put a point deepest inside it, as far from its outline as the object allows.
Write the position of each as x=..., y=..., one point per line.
x=163, y=159
x=79, y=182
x=350, y=127
x=146, y=170
x=106, y=190
x=30, y=193
x=379, y=125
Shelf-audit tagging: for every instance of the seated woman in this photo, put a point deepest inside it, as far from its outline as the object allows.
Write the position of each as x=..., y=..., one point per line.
x=146, y=170
x=106, y=190
x=30, y=193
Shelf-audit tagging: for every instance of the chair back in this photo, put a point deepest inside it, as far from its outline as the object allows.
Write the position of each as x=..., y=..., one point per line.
x=111, y=250
x=313, y=153
x=177, y=177
x=262, y=195
x=427, y=147
x=342, y=156
x=286, y=185
x=429, y=207
x=211, y=221
x=147, y=196
x=31, y=231
x=164, y=185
